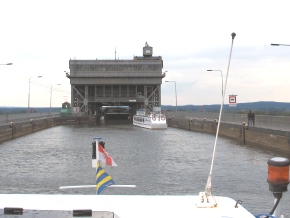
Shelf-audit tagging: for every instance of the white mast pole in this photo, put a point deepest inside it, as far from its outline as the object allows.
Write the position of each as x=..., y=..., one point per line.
x=208, y=184
x=97, y=140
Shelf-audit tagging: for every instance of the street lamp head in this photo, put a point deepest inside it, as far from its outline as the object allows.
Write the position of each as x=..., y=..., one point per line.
x=9, y=64
x=34, y=77
x=279, y=44
x=214, y=70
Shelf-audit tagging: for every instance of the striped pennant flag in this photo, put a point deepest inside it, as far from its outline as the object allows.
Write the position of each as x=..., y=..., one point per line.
x=103, y=179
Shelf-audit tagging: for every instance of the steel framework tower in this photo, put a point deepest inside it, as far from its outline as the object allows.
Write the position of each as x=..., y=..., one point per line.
x=135, y=83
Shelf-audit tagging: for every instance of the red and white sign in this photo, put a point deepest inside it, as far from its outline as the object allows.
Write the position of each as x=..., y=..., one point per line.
x=76, y=109
x=232, y=100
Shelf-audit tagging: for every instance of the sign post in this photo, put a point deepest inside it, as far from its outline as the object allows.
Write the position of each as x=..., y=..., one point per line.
x=232, y=100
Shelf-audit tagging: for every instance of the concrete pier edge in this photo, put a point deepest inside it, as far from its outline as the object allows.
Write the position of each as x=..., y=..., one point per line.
x=241, y=133
x=263, y=138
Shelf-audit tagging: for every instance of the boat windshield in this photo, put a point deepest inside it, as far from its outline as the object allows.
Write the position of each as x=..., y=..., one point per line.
x=141, y=112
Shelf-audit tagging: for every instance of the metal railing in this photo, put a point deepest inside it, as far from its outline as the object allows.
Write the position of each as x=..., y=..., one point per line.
x=7, y=118
x=265, y=121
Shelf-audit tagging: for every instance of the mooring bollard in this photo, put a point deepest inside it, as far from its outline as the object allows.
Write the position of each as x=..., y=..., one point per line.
x=45, y=120
x=12, y=129
x=244, y=132
x=189, y=123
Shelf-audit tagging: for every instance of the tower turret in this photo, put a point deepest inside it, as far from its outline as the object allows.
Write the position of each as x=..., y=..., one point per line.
x=147, y=50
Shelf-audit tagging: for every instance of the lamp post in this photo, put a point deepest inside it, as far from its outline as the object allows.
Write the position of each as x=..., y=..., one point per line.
x=164, y=73
x=51, y=97
x=222, y=80
x=29, y=91
x=67, y=74
x=7, y=64
x=175, y=97
x=273, y=44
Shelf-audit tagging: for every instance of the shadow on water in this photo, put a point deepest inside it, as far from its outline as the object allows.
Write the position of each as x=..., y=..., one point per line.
x=264, y=150
x=104, y=123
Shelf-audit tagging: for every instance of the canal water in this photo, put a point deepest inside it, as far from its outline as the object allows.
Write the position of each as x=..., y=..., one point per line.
x=158, y=162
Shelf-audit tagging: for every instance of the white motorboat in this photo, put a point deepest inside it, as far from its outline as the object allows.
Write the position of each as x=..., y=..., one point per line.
x=149, y=120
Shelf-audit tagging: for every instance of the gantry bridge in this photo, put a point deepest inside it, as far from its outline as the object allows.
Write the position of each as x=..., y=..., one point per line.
x=135, y=83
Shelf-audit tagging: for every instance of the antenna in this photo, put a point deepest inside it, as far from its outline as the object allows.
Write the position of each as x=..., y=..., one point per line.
x=208, y=184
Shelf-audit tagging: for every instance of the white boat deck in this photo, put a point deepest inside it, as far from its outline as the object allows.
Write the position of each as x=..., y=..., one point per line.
x=129, y=206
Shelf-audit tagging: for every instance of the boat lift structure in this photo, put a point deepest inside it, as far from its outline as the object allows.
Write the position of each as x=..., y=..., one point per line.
x=135, y=83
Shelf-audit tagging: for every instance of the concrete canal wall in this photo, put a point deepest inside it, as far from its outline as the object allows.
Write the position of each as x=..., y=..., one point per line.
x=239, y=132
x=14, y=130
x=248, y=135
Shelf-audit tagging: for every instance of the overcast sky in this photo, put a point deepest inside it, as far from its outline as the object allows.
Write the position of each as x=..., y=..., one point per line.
x=40, y=37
